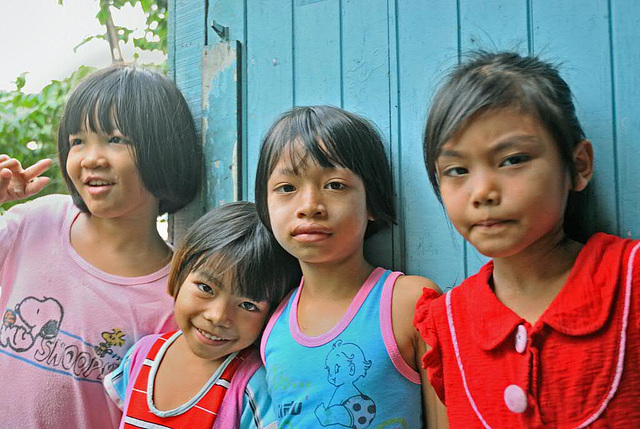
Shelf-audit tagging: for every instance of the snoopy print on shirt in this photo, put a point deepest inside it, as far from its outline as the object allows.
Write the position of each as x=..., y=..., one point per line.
x=33, y=331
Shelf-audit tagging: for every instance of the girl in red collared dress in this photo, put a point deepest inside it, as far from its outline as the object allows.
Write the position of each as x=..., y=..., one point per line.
x=547, y=333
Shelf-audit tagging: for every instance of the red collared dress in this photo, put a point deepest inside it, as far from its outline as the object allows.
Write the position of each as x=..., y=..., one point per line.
x=577, y=366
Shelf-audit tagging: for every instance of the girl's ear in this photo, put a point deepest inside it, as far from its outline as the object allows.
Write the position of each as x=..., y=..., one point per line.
x=583, y=162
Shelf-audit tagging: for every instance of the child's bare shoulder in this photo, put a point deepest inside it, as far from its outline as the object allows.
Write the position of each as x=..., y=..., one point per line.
x=406, y=293
x=409, y=288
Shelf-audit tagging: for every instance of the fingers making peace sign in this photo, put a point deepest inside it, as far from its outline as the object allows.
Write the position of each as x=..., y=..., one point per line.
x=17, y=183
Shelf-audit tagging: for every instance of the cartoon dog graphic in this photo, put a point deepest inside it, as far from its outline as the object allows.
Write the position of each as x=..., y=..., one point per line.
x=348, y=407
x=31, y=319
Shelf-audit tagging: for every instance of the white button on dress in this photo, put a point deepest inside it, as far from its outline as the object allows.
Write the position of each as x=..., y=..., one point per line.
x=515, y=398
x=521, y=338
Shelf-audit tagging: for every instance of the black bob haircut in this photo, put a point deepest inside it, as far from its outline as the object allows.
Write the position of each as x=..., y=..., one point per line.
x=232, y=240
x=147, y=108
x=331, y=137
x=507, y=80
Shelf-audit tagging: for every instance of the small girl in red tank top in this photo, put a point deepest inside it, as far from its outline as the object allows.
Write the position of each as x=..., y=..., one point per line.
x=226, y=276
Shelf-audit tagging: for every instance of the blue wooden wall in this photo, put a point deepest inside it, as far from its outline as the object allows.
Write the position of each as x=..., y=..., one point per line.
x=383, y=59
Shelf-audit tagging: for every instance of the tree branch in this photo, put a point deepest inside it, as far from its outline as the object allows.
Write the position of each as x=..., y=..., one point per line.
x=112, y=34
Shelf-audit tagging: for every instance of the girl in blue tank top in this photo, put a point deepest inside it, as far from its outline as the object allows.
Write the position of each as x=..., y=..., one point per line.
x=340, y=351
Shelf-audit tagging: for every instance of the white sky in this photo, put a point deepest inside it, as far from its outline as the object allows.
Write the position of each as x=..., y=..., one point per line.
x=38, y=36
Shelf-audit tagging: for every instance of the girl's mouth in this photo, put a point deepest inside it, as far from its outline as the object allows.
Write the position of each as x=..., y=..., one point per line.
x=212, y=337
x=99, y=183
x=491, y=224
x=97, y=186
x=310, y=233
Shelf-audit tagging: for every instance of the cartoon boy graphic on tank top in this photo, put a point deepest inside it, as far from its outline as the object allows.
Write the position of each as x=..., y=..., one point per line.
x=348, y=407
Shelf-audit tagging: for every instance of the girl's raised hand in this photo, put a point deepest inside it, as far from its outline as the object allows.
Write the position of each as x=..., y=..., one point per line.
x=17, y=183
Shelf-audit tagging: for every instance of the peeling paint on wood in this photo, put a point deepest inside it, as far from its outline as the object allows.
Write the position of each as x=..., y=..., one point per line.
x=221, y=119
x=216, y=59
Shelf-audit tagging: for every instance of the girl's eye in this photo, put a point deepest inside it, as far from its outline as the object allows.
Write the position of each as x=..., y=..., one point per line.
x=514, y=160
x=249, y=306
x=455, y=172
x=205, y=288
x=117, y=140
x=285, y=189
x=75, y=142
x=335, y=186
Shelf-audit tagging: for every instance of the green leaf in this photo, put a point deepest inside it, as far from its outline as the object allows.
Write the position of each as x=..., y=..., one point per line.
x=103, y=13
x=21, y=81
x=35, y=117
x=85, y=41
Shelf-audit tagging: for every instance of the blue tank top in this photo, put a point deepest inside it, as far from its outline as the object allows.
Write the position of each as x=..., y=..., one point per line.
x=352, y=376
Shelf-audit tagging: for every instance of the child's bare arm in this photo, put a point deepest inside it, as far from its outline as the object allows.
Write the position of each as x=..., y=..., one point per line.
x=17, y=183
x=406, y=293
x=433, y=411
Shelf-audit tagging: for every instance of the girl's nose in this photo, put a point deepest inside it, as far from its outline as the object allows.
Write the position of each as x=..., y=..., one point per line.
x=485, y=190
x=94, y=157
x=311, y=204
x=218, y=312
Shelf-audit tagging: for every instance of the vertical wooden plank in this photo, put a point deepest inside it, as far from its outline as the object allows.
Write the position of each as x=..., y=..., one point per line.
x=171, y=40
x=398, y=232
x=577, y=34
x=317, y=52
x=269, y=73
x=223, y=84
x=365, y=60
x=189, y=39
x=221, y=122
x=626, y=63
x=230, y=15
x=365, y=87
x=171, y=74
x=427, y=45
x=494, y=25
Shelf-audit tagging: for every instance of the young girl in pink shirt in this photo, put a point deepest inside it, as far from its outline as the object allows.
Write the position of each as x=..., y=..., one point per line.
x=84, y=276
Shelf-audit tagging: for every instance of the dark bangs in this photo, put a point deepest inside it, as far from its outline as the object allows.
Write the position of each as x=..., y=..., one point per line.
x=244, y=264
x=147, y=108
x=230, y=242
x=318, y=139
x=330, y=137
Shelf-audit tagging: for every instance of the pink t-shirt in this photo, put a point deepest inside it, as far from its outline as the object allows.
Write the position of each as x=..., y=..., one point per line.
x=66, y=324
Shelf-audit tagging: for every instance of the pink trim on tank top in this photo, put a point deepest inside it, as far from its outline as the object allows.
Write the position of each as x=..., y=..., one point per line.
x=272, y=322
x=386, y=327
x=331, y=334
